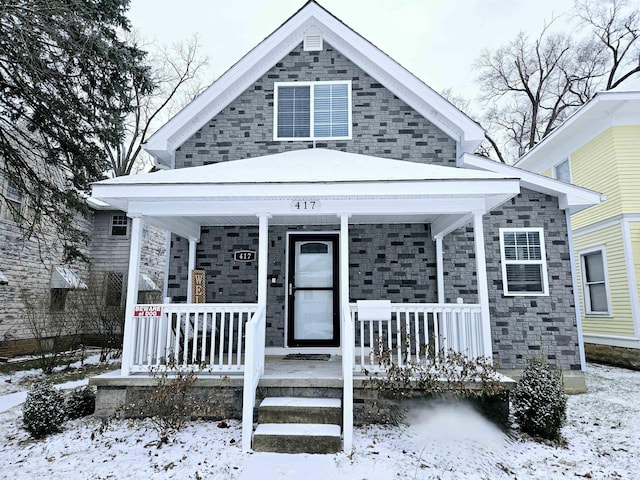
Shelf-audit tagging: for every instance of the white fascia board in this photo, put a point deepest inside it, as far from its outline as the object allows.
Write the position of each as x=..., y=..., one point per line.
x=323, y=206
x=271, y=50
x=603, y=111
x=110, y=193
x=570, y=196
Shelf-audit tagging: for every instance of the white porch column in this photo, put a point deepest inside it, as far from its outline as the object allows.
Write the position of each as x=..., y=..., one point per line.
x=263, y=252
x=481, y=279
x=132, y=294
x=348, y=343
x=439, y=269
x=192, y=266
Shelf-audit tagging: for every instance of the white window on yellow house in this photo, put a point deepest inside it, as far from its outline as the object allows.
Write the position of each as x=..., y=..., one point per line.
x=562, y=171
x=524, y=264
x=312, y=110
x=595, y=287
x=13, y=203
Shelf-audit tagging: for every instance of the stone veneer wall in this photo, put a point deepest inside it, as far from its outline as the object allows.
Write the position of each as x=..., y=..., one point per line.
x=28, y=265
x=383, y=125
x=395, y=262
x=618, y=356
x=521, y=326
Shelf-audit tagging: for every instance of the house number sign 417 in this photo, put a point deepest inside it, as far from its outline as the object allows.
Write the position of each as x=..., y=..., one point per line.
x=305, y=205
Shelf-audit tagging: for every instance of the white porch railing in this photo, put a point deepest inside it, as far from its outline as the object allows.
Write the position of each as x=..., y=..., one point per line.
x=256, y=329
x=209, y=337
x=417, y=331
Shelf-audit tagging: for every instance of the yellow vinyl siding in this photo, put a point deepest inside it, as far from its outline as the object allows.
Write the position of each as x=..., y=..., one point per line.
x=594, y=166
x=620, y=322
x=634, y=227
x=627, y=148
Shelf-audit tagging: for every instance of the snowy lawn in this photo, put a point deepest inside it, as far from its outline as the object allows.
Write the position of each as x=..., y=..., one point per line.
x=79, y=366
x=440, y=442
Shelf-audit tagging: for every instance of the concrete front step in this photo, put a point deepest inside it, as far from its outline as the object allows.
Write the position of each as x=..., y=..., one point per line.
x=300, y=410
x=297, y=438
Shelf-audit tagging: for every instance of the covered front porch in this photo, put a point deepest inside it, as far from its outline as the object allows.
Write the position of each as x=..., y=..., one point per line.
x=328, y=194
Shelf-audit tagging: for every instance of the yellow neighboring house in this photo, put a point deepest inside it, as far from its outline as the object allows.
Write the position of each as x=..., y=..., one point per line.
x=599, y=148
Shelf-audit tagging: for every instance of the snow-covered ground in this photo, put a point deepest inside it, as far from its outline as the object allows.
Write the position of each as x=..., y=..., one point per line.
x=440, y=442
x=22, y=379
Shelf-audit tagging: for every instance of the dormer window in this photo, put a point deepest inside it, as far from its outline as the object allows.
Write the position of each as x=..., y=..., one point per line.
x=312, y=111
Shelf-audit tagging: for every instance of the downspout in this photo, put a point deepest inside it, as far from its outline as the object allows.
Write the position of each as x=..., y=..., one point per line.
x=574, y=282
x=167, y=250
x=439, y=269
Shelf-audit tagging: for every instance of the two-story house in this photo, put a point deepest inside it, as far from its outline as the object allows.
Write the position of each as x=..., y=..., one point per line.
x=325, y=202
x=599, y=148
x=34, y=281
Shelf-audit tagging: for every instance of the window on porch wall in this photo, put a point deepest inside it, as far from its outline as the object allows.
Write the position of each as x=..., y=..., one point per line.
x=524, y=265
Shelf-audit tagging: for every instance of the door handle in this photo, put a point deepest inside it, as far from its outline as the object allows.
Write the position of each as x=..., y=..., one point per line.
x=291, y=289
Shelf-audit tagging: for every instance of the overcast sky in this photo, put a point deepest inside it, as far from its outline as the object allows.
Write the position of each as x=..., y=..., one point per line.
x=437, y=40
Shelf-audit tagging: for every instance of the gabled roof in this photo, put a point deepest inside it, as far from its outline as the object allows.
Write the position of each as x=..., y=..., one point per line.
x=604, y=110
x=271, y=50
x=570, y=197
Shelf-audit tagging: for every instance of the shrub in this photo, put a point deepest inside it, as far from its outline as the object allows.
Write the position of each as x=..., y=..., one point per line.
x=43, y=411
x=539, y=402
x=449, y=376
x=81, y=403
x=171, y=403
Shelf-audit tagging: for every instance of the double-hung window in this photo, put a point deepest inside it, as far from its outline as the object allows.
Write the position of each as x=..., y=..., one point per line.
x=13, y=203
x=119, y=224
x=524, y=265
x=312, y=110
x=594, y=282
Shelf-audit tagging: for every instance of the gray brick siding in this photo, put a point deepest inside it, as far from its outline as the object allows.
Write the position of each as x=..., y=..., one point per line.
x=395, y=262
x=386, y=261
x=521, y=327
x=383, y=125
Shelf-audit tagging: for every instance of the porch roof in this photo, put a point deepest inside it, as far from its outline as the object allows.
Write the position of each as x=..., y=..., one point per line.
x=370, y=189
x=311, y=165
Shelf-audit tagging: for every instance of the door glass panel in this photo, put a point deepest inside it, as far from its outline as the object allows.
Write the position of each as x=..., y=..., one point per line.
x=313, y=315
x=314, y=264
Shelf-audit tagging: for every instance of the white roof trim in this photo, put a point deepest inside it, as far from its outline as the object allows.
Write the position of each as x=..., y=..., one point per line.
x=3, y=280
x=64, y=277
x=570, y=196
x=604, y=110
x=265, y=55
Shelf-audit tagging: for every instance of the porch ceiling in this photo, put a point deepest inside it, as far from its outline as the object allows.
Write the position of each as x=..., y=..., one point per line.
x=311, y=186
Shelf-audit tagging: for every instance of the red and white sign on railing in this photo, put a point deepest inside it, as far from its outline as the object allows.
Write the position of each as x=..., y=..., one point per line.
x=147, y=311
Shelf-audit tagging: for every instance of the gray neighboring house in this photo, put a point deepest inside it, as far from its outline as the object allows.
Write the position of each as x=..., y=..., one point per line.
x=322, y=197
x=32, y=271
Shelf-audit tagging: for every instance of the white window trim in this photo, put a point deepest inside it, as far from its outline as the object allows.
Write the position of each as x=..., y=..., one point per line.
x=553, y=169
x=586, y=295
x=504, y=262
x=276, y=87
x=111, y=225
